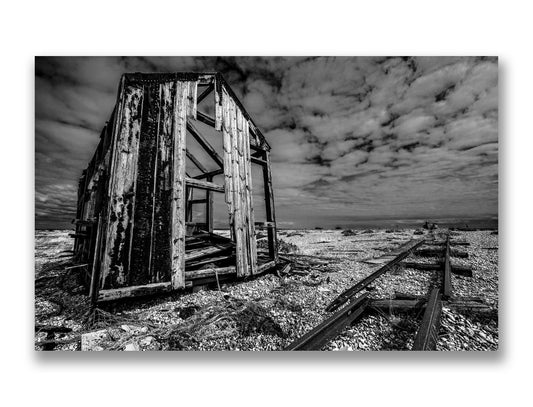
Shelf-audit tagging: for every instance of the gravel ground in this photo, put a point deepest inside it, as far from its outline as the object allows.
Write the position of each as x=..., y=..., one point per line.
x=268, y=313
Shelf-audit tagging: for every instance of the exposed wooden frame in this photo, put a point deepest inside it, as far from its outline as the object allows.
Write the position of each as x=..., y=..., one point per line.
x=195, y=161
x=210, y=174
x=269, y=207
x=204, y=143
x=180, y=95
x=196, y=183
x=202, y=117
x=204, y=94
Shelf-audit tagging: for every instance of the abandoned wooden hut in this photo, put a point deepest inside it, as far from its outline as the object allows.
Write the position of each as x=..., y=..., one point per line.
x=177, y=148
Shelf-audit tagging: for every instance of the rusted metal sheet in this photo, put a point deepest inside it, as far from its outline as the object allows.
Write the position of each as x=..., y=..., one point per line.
x=121, y=189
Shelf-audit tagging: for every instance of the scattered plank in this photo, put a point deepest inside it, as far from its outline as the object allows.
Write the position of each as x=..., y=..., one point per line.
x=426, y=338
x=438, y=252
x=465, y=271
x=133, y=291
x=208, y=251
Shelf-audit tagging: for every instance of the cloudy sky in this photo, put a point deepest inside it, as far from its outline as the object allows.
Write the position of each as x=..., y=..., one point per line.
x=352, y=138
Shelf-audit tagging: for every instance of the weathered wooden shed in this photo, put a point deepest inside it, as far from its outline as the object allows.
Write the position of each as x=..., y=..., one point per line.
x=138, y=224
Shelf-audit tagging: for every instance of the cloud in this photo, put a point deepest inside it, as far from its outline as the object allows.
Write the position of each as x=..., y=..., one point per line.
x=361, y=137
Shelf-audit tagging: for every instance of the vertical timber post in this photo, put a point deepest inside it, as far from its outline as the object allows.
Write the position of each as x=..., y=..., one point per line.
x=178, y=186
x=209, y=207
x=269, y=206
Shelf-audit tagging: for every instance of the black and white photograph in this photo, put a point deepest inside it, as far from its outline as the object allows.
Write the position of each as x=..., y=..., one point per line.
x=306, y=203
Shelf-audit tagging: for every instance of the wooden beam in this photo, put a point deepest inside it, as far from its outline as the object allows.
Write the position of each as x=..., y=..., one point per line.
x=210, y=174
x=196, y=274
x=428, y=252
x=259, y=161
x=265, y=267
x=265, y=225
x=395, y=306
x=196, y=183
x=447, y=280
x=442, y=243
x=204, y=94
x=269, y=208
x=122, y=181
x=209, y=208
x=465, y=271
x=195, y=161
x=208, y=251
x=204, y=143
x=426, y=338
x=198, y=201
x=134, y=291
x=202, y=117
x=178, y=226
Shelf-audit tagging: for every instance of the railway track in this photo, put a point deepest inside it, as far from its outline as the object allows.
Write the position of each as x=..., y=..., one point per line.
x=349, y=306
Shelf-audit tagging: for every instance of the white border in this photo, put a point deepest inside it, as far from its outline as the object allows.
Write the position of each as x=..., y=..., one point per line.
x=270, y=28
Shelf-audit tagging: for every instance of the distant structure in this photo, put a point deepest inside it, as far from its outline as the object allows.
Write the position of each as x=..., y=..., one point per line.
x=430, y=226
x=139, y=224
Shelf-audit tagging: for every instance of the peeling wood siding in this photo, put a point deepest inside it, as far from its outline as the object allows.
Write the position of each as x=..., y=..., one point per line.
x=191, y=98
x=161, y=235
x=237, y=175
x=121, y=189
x=141, y=242
x=178, y=185
x=250, y=230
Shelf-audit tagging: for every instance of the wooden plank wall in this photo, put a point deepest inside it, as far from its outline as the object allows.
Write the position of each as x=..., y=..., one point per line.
x=118, y=228
x=178, y=228
x=238, y=184
x=145, y=228
x=142, y=225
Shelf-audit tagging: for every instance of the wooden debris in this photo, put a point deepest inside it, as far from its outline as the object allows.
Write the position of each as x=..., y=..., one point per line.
x=426, y=338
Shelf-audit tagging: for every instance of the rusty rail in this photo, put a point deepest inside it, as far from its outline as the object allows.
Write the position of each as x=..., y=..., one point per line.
x=350, y=292
x=331, y=327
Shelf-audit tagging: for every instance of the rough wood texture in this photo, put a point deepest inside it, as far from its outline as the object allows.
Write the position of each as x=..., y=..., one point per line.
x=178, y=191
x=121, y=189
x=237, y=175
x=141, y=242
x=132, y=215
x=133, y=291
x=426, y=337
x=269, y=206
x=210, y=186
x=465, y=271
x=162, y=219
x=447, y=278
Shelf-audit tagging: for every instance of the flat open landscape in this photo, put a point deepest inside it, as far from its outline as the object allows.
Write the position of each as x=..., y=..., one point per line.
x=269, y=312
